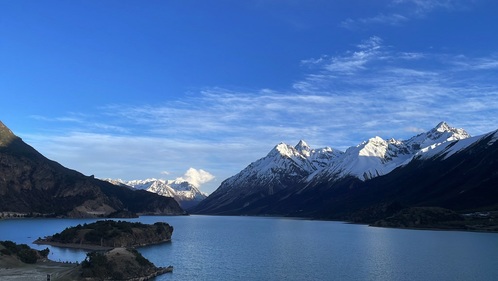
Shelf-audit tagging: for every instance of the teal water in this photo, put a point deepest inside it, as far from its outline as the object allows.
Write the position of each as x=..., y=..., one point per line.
x=255, y=248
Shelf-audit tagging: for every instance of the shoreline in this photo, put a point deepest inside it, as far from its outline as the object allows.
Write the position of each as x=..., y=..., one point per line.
x=88, y=247
x=465, y=226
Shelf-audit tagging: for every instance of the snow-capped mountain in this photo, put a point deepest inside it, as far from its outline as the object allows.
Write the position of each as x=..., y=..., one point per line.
x=287, y=170
x=453, y=146
x=285, y=167
x=442, y=133
x=186, y=194
x=377, y=156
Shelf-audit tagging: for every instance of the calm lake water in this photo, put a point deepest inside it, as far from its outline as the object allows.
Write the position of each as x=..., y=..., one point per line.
x=255, y=248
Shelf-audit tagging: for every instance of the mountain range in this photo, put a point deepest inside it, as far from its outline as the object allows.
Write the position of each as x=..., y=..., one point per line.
x=31, y=184
x=443, y=167
x=185, y=193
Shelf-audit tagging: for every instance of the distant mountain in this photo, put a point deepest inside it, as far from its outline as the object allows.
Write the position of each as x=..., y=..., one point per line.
x=443, y=167
x=377, y=156
x=32, y=184
x=185, y=193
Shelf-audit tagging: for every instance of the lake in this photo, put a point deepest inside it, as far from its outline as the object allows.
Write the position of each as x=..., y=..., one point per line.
x=263, y=248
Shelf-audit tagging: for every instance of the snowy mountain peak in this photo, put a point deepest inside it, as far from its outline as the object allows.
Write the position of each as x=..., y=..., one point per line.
x=378, y=156
x=453, y=133
x=185, y=193
x=284, y=150
x=303, y=147
x=440, y=134
x=373, y=147
x=302, y=154
x=288, y=166
x=443, y=127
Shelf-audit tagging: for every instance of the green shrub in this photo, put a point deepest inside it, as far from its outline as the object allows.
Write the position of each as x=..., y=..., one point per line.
x=95, y=265
x=28, y=255
x=93, y=236
x=44, y=253
x=142, y=261
x=5, y=251
x=117, y=275
x=23, y=251
x=10, y=246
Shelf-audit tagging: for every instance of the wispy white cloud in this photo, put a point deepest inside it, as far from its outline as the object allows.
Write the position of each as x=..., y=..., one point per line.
x=398, y=12
x=389, y=19
x=415, y=130
x=402, y=86
x=481, y=63
x=344, y=99
x=80, y=120
x=352, y=61
x=69, y=119
x=140, y=156
x=422, y=7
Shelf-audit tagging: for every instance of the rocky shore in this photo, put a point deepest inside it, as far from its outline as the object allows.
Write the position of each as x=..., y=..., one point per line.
x=440, y=219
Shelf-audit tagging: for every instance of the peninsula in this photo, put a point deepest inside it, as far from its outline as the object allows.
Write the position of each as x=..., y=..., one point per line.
x=20, y=262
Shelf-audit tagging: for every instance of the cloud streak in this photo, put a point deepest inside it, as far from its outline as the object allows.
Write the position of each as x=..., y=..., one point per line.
x=390, y=19
x=399, y=12
x=370, y=90
x=422, y=7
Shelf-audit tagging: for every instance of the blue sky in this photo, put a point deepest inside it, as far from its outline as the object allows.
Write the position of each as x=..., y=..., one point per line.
x=141, y=89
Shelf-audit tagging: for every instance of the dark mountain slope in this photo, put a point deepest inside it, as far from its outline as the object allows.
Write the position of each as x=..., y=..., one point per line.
x=283, y=170
x=466, y=181
x=461, y=175
x=31, y=183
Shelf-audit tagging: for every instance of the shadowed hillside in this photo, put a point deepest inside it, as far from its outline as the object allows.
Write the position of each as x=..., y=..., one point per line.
x=32, y=184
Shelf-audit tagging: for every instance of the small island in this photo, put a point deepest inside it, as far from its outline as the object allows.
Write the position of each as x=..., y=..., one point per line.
x=109, y=234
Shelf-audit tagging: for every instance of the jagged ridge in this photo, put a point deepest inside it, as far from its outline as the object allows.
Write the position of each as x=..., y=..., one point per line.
x=185, y=193
x=287, y=172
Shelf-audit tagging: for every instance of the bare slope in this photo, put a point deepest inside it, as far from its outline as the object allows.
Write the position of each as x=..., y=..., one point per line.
x=32, y=184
